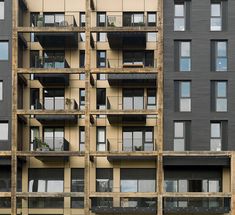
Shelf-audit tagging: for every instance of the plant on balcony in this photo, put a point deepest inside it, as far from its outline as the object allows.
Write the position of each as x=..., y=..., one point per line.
x=69, y=103
x=138, y=148
x=141, y=24
x=40, y=145
x=111, y=24
x=40, y=21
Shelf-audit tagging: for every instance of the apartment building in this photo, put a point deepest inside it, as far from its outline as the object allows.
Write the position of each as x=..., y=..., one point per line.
x=116, y=107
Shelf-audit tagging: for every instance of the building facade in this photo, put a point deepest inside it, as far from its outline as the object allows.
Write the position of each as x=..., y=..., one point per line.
x=118, y=107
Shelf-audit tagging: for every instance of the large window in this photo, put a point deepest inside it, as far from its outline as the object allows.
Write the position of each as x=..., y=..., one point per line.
x=77, y=180
x=138, y=180
x=54, y=138
x=1, y=90
x=179, y=136
x=4, y=130
x=179, y=17
x=185, y=56
x=57, y=19
x=81, y=139
x=133, y=99
x=82, y=99
x=220, y=92
x=104, y=180
x=221, y=56
x=138, y=139
x=184, y=96
x=4, y=50
x=133, y=19
x=216, y=16
x=54, y=99
x=101, y=139
x=101, y=59
x=216, y=136
x=101, y=19
x=2, y=9
x=46, y=180
x=101, y=98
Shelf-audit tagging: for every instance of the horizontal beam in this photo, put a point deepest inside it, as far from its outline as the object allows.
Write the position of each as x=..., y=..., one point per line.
x=5, y=194
x=50, y=70
x=48, y=154
x=123, y=194
x=52, y=194
x=124, y=112
x=197, y=194
x=197, y=153
x=50, y=112
x=124, y=154
x=5, y=153
x=49, y=29
x=125, y=29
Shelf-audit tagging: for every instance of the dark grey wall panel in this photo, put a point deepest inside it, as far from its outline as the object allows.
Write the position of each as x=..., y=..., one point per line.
x=200, y=76
x=6, y=73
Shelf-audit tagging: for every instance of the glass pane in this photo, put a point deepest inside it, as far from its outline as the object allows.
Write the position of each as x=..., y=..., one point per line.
x=59, y=18
x=102, y=18
x=128, y=185
x=185, y=64
x=127, y=103
x=185, y=105
x=215, y=145
x=214, y=186
x=146, y=186
x=138, y=103
x=183, y=186
x=1, y=90
x=185, y=89
x=151, y=18
x=179, y=10
x=59, y=103
x=138, y=18
x=221, y=49
x=170, y=185
x=3, y=50
x=179, y=129
x=215, y=10
x=215, y=130
x=101, y=135
x=179, y=24
x=55, y=186
x=101, y=147
x=221, y=89
x=151, y=37
x=49, y=19
x=49, y=103
x=2, y=10
x=204, y=186
x=216, y=24
x=4, y=131
x=185, y=49
x=221, y=105
x=179, y=145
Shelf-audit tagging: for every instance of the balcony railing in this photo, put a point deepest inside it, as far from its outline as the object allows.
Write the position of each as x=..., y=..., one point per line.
x=104, y=185
x=50, y=144
x=132, y=63
x=63, y=21
x=128, y=103
x=56, y=62
x=192, y=205
x=130, y=145
x=51, y=103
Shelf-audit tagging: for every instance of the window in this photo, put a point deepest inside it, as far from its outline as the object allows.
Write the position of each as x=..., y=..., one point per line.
x=4, y=50
x=134, y=19
x=151, y=36
x=101, y=139
x=216, y=136
x=77, y=202
x=46, y=202
x=82, y=37
x=221, y=96
x=81, y=139
x=151, y=99
x=82, y=59
x=221, y=60
x=138, y=180
x=82, y=99
x=51, y=20
x=104, y=180
x=82, y=19
x=101, y=59
x=133, y=99
x=34, y=17
x=179, y=17
x=151, y=19
x=101, y=19
x=34, y=134
x=54, y=138
x=101, y=37
x=1, y=90
x=185, y=56
x=46, y=180
x=179, y=136
x=34, y=99
x=54, y=99
x=101, y=98
x=4, y=131
x=138, y=139
x=184, y=96
x=216, y=16
x=2, y=9
x=77, y=180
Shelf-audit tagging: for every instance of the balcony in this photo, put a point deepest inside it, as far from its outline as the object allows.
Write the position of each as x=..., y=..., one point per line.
x=178, y=205
x=56, y=104
x=49, y=145
x=127, y=39
x=127, y=206
x=55, y=62
x=56, y=39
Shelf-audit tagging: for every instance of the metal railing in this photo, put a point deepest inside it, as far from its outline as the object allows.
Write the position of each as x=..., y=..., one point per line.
x=139, y=202
x=51, y=103
x=50, y=144
x=132, y=63
x=51, y=62
x=62, y=20
x=130, y=145
x=128, y=103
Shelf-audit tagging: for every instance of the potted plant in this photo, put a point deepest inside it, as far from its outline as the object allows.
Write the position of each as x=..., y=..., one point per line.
x=69, y=103
x=40, y=21
x=40, y=145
